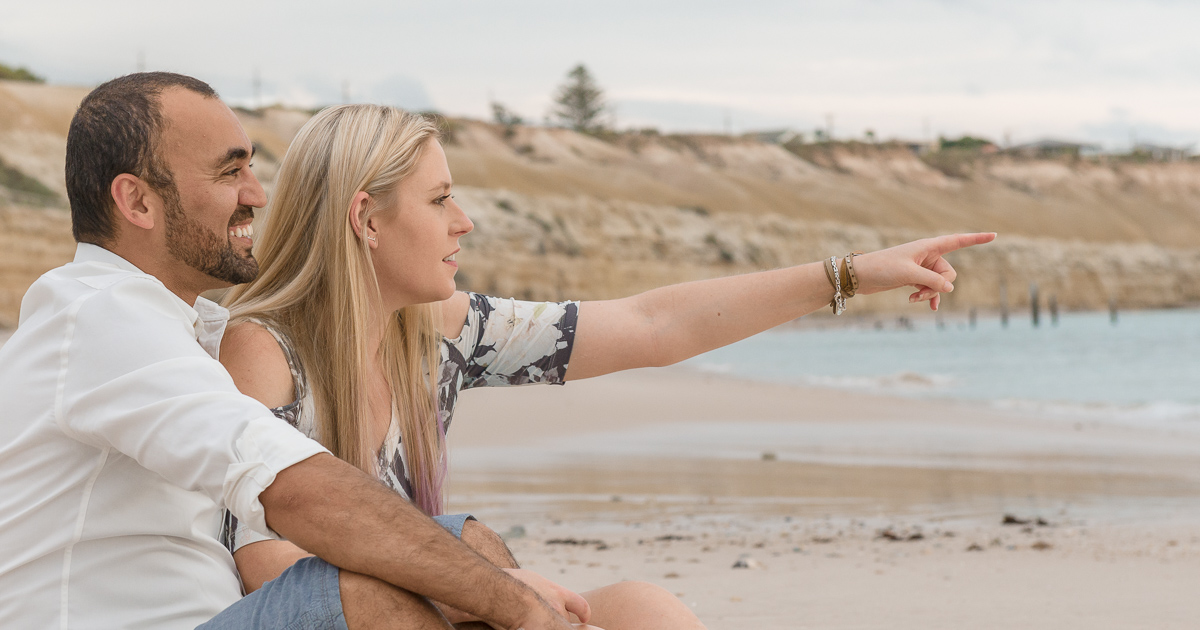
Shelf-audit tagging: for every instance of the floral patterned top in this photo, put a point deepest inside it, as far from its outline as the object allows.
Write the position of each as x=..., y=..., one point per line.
x=503, y=342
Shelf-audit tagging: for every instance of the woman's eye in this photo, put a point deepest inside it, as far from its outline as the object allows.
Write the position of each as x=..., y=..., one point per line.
x=441, y=201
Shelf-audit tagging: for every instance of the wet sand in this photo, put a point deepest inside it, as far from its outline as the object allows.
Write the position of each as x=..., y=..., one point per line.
x=852, y=511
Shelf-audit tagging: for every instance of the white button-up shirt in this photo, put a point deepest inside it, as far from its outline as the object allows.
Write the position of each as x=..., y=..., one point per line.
x=121, y=440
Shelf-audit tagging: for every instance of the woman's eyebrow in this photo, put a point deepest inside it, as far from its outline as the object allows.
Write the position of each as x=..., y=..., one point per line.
x=441, y=186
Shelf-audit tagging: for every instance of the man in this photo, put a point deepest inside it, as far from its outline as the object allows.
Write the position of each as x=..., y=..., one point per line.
x=122, y=438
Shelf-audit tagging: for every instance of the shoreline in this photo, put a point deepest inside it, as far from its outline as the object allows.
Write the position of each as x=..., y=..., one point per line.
x=576, y=479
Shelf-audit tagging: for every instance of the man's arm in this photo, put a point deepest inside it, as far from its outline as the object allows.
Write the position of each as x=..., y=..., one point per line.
x=337, y=512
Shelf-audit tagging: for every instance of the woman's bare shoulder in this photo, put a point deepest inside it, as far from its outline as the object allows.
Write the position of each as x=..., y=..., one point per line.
x=257, y=364
x=454, y=315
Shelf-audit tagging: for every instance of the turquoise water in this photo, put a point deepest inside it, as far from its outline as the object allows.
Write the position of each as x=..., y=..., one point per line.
x=1145, y=366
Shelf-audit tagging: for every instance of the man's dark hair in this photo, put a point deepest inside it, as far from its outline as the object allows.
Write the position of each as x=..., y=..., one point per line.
x=115, y=131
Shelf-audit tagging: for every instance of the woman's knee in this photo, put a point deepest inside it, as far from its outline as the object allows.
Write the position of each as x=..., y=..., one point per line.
x=368, y=602
x=635, y=605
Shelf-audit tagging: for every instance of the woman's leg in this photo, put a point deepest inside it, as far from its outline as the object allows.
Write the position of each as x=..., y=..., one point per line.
x=639, y=606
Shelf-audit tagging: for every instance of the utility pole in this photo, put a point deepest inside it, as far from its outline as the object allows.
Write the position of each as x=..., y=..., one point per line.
x=256, y=83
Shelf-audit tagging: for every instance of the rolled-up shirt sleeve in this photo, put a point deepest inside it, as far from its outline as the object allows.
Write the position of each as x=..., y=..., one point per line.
x=164, y=402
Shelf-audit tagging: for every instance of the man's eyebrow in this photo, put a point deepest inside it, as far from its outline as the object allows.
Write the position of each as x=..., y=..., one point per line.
x=234, y=154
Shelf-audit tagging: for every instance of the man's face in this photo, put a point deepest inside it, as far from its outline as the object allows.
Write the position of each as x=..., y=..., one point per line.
x=209, y=207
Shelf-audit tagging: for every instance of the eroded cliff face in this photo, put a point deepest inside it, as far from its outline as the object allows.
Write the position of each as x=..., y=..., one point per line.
x=549, y=247
x=562, y=215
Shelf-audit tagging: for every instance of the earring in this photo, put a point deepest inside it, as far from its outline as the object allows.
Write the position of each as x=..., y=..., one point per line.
x=371, y=238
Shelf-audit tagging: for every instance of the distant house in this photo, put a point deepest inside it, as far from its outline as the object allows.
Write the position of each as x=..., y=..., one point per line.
x=918, y=147
x=1160, y=153
x=1055, y=148
x=776, y=136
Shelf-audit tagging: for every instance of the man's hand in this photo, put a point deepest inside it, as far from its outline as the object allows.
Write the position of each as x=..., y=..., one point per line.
x=545, y=618
x=565, y=602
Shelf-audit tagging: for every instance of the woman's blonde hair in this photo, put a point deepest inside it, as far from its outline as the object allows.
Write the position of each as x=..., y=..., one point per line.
x=317, y=285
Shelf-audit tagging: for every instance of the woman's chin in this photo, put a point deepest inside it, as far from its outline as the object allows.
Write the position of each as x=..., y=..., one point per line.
x=445, y=295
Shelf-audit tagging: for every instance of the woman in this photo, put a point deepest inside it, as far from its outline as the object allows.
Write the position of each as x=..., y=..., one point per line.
x=353, y=330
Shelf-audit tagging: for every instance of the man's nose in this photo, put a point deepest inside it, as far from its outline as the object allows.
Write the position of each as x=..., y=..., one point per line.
x=252, y=194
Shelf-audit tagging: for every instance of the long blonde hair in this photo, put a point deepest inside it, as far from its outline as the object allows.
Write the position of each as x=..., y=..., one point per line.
x=317, y=285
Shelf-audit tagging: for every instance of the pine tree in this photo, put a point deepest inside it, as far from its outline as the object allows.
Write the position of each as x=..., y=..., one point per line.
x=580, y=101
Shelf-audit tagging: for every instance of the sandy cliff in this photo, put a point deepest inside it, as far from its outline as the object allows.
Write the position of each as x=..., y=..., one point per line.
x=560, y=214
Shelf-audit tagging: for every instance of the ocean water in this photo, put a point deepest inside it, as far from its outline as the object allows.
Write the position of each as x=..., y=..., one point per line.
x=1144, y=368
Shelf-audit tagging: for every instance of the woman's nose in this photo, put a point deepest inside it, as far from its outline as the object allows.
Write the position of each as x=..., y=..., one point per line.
x=462, y=223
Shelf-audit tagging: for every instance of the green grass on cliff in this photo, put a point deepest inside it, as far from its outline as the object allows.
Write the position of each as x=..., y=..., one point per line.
x=18, y=74
x=22, y=188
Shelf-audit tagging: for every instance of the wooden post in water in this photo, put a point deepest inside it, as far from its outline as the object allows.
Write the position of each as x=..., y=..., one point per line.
x=1003, y=302
x=971, y=318
x=1112, y=311
x=1052, y=302
x=1033, y=303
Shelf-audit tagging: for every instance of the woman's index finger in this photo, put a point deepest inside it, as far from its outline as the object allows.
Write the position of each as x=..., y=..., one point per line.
x=951, y=242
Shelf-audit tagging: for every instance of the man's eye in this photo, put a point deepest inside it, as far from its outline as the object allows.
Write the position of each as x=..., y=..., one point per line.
x=234, y=172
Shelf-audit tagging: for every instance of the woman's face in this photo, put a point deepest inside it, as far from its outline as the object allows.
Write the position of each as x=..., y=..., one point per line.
x=417, y=238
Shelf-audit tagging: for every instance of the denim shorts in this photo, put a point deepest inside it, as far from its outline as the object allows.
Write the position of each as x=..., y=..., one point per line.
x=304, y=597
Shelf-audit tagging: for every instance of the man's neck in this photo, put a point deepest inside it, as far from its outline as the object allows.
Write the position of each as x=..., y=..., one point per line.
x=186, y=283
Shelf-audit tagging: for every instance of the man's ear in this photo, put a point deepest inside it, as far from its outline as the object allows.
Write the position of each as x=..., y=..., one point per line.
x=134, y=200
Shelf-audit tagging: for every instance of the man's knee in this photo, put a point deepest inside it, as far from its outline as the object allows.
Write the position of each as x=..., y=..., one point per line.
x=488, y=544
x=371, y=603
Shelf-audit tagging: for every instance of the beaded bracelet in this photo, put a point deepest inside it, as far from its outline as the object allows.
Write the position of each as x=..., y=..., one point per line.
x=839, y=300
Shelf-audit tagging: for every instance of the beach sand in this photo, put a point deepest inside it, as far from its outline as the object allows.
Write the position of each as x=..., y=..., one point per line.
x=851, y=510
x=848, y=510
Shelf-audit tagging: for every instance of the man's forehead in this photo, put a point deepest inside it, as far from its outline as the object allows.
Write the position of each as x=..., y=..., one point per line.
x=204, y=127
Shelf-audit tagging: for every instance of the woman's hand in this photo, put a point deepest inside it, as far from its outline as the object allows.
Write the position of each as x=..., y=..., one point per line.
x=917, y=264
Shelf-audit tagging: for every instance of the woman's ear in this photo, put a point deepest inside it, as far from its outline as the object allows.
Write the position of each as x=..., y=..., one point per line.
x=358, y=206
x=134, y=200
x=371, y=233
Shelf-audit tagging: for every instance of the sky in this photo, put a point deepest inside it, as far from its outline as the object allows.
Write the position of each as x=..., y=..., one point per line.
x=1109, y=72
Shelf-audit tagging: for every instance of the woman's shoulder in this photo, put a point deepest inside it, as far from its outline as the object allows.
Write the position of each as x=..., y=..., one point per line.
x=253, y=357
x=455, y=312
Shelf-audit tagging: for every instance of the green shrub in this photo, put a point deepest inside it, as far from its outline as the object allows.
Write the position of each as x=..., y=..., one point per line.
x=19, y=74
x=25, y=189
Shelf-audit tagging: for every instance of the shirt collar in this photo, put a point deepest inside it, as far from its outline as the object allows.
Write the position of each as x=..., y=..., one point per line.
x=208, y=318
x=87, y=252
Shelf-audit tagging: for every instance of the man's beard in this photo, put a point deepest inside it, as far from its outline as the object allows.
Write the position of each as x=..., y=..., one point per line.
x=202, y=250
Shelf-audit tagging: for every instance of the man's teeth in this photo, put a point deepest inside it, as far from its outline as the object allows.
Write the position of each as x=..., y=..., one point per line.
x=242, y=231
